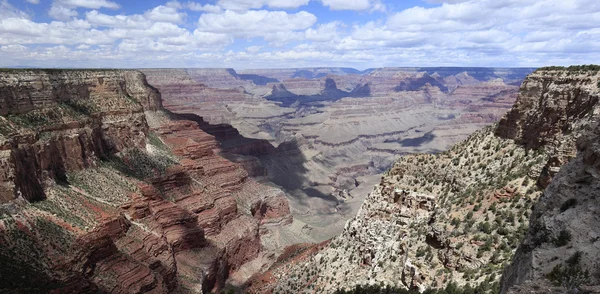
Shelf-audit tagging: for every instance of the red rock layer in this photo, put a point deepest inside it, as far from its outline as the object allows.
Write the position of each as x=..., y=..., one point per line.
x=212, y=188
x=60, y=121
x=192, y=226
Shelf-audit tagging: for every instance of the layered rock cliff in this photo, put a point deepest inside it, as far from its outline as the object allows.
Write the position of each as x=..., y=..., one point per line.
x=103, y=191
x=340, y=128
x=59, y=121
x=458, y=216
x=561, y=249
x=561, y=253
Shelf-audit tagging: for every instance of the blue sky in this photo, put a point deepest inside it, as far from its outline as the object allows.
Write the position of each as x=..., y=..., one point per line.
x=298, y=33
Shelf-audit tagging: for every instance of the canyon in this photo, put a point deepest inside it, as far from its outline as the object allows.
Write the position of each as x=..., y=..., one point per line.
x=461, y=215
x=264, y=181
x=324, y=135
x=103, y=190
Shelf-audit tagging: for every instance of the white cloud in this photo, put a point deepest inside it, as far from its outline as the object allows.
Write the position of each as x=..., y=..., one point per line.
x=194, y=6
x=21, y=27
x=33, y=1
x=8, y=11
x=91, y=4
x=460, y=33
x=357, y=5
x=165, y=14
x=136, y=21
x=255, y=23
x=13, y=48
x=324, y=32
x=65, y=9
x=244, y=5
x=205, y=8
x=62, y=13
x=446, y=1
x=253, y=49
x=117, y=21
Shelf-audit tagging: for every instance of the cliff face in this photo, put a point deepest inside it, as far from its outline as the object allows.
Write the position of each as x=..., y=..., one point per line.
x=103, y=191
x=554, y=106
x=459, y=215
x=561, y=250
x=54, y=122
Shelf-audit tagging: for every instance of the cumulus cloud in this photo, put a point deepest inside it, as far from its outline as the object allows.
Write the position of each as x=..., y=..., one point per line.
x=324, y=32
x=233, y=33
x=33, y=1
x=194, y=6
x=255, y=23
x=253, y=49
x=205, y=8
x=65, y=9
x=243, y=5
x=117, y=21
x=92, y=4
x=445, y=1
x=165, y=14
x=357, y=5
x=9, y=11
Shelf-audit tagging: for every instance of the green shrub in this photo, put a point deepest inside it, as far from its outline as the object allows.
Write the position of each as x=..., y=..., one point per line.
x=563, y=238
x=485, y=227
x=469, y=215
x=570, y=275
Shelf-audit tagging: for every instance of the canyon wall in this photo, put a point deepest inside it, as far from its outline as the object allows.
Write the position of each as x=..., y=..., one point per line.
x=338, y=128
x=458, y=216
x=59, y=121
x=560, y=251
x=104, y=191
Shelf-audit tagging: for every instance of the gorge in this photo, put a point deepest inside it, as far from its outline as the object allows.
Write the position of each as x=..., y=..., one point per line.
x=270, y=181
x=337, y=129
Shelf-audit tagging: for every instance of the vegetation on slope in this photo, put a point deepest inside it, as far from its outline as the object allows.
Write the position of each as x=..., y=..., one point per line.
x=451, y=288
x=592, y=68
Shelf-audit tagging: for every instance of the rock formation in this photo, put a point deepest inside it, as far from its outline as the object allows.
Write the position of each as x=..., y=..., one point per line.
x=340, y=125
x=458, y=216
x=104, y=191
x=561, y=250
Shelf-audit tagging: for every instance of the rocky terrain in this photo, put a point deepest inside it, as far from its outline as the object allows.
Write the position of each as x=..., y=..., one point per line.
x=561, y=250
x=459, y=216
x=102, y=190
x=336, y=129
x=107, y=186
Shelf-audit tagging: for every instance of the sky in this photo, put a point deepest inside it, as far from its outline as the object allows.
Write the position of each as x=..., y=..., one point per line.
x=298, y=33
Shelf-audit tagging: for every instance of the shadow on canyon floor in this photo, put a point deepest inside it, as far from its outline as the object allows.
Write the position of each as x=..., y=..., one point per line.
x=283, y=164
x=414, y=142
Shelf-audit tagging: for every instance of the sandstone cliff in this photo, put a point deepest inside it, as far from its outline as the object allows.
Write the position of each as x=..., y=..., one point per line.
x=103, y=191
x=459, y=216
x=560, y=251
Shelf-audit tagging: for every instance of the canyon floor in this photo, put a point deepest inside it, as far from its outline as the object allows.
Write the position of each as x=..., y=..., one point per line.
x=325, y=135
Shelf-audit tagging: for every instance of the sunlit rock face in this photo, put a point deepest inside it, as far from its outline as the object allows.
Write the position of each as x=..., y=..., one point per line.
x=102, y=190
